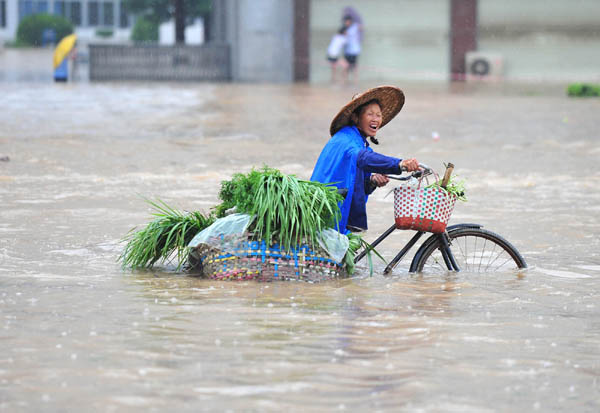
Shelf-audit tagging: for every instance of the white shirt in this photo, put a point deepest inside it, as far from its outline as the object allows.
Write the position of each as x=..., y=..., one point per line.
x=335, y=46
x=353, y=42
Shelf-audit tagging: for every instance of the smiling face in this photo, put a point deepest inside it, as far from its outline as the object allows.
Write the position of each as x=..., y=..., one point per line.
x=369, y=119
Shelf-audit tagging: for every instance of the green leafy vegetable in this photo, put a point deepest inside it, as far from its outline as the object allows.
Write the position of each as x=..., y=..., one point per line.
x=287, y=209
x=583, y=89
x=454, y=187
x=166, y=236
x=356, y=242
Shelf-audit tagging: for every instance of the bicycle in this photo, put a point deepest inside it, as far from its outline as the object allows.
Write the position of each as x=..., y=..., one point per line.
x=464, y=246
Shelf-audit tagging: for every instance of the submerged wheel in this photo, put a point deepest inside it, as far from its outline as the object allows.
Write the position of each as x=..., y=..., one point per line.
x=475, y=250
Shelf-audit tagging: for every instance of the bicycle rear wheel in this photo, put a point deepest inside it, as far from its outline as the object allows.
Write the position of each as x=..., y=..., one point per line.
x=475, y=250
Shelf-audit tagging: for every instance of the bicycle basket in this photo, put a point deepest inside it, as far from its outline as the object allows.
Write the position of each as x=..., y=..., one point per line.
x=422, y=209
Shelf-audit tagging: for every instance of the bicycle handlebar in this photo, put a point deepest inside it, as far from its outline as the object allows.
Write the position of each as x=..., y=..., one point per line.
x=423, y=172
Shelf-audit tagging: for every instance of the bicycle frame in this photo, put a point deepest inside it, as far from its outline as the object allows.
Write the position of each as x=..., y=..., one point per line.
x=443, y=238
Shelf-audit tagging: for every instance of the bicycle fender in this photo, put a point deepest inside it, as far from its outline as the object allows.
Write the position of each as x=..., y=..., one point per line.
x=458, y=226
x=432, y=239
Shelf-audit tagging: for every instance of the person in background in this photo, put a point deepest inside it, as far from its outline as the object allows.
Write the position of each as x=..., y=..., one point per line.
x=353, y=46
x=74, y=59
x=61, y=72
x=336, y=45
x=349, y=163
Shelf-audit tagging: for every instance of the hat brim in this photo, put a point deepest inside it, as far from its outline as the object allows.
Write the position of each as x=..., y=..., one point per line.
x=390, y=98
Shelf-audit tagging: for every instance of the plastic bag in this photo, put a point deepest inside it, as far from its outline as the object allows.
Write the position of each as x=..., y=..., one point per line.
x=228, y=233
x=334, y=243
x=413, y=182
x=223, y=231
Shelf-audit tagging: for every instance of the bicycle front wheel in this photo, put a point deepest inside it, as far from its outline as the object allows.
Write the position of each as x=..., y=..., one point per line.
x=475, y=250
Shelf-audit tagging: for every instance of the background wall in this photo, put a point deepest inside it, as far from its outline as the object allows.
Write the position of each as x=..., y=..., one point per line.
x=543, y=39
x=402, y=39
x=555, y=40
x=261, y=36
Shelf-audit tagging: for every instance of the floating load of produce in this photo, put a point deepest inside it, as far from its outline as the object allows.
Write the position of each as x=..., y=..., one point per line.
x=269, y=226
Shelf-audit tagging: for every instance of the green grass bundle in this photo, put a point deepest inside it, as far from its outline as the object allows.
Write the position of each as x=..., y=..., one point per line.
x=287, y=210
x=239, y=192
x=356, y=242
x=454, y=186
x=583, y=89
x=166, y=237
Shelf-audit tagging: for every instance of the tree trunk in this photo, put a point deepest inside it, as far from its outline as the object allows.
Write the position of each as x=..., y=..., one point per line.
x=179, y=22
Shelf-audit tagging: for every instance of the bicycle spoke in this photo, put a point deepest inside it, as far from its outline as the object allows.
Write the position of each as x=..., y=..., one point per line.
x=489, y=254
x=482, y=254
x=501, y=266
x=474, y=252
x=463, y=252
x=437, y=261
x=490, y=257
x=500, y=253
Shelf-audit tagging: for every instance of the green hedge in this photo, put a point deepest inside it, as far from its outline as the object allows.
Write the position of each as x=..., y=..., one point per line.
x=144, y=31
x=31, y=28
x=583, y=89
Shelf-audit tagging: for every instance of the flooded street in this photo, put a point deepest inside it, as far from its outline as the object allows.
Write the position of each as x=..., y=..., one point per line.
x=80, y=334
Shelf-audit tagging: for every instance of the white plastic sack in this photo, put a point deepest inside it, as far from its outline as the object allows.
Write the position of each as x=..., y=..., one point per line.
x=226, y=233
x=231, y=227
x=334, y=243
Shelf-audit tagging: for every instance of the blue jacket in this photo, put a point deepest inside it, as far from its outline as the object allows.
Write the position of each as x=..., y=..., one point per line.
x=347, y=161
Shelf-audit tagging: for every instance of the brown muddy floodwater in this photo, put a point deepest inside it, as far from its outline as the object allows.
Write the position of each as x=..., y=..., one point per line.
x=80, y=334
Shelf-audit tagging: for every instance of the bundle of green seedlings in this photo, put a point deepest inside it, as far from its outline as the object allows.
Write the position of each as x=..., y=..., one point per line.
x=356, y=242
x=165, y=237
x=454, y=187
x=287, y=210
x=583, y=89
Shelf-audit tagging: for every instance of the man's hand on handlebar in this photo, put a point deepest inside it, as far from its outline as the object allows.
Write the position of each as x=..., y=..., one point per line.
x=379, y=180
x=420, y=171
x=409, y=165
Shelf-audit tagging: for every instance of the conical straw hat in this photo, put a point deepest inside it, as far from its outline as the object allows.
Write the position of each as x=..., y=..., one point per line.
x=390, y=98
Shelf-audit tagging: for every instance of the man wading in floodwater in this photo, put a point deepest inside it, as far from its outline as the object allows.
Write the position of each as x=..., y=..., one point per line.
x=348, y=162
